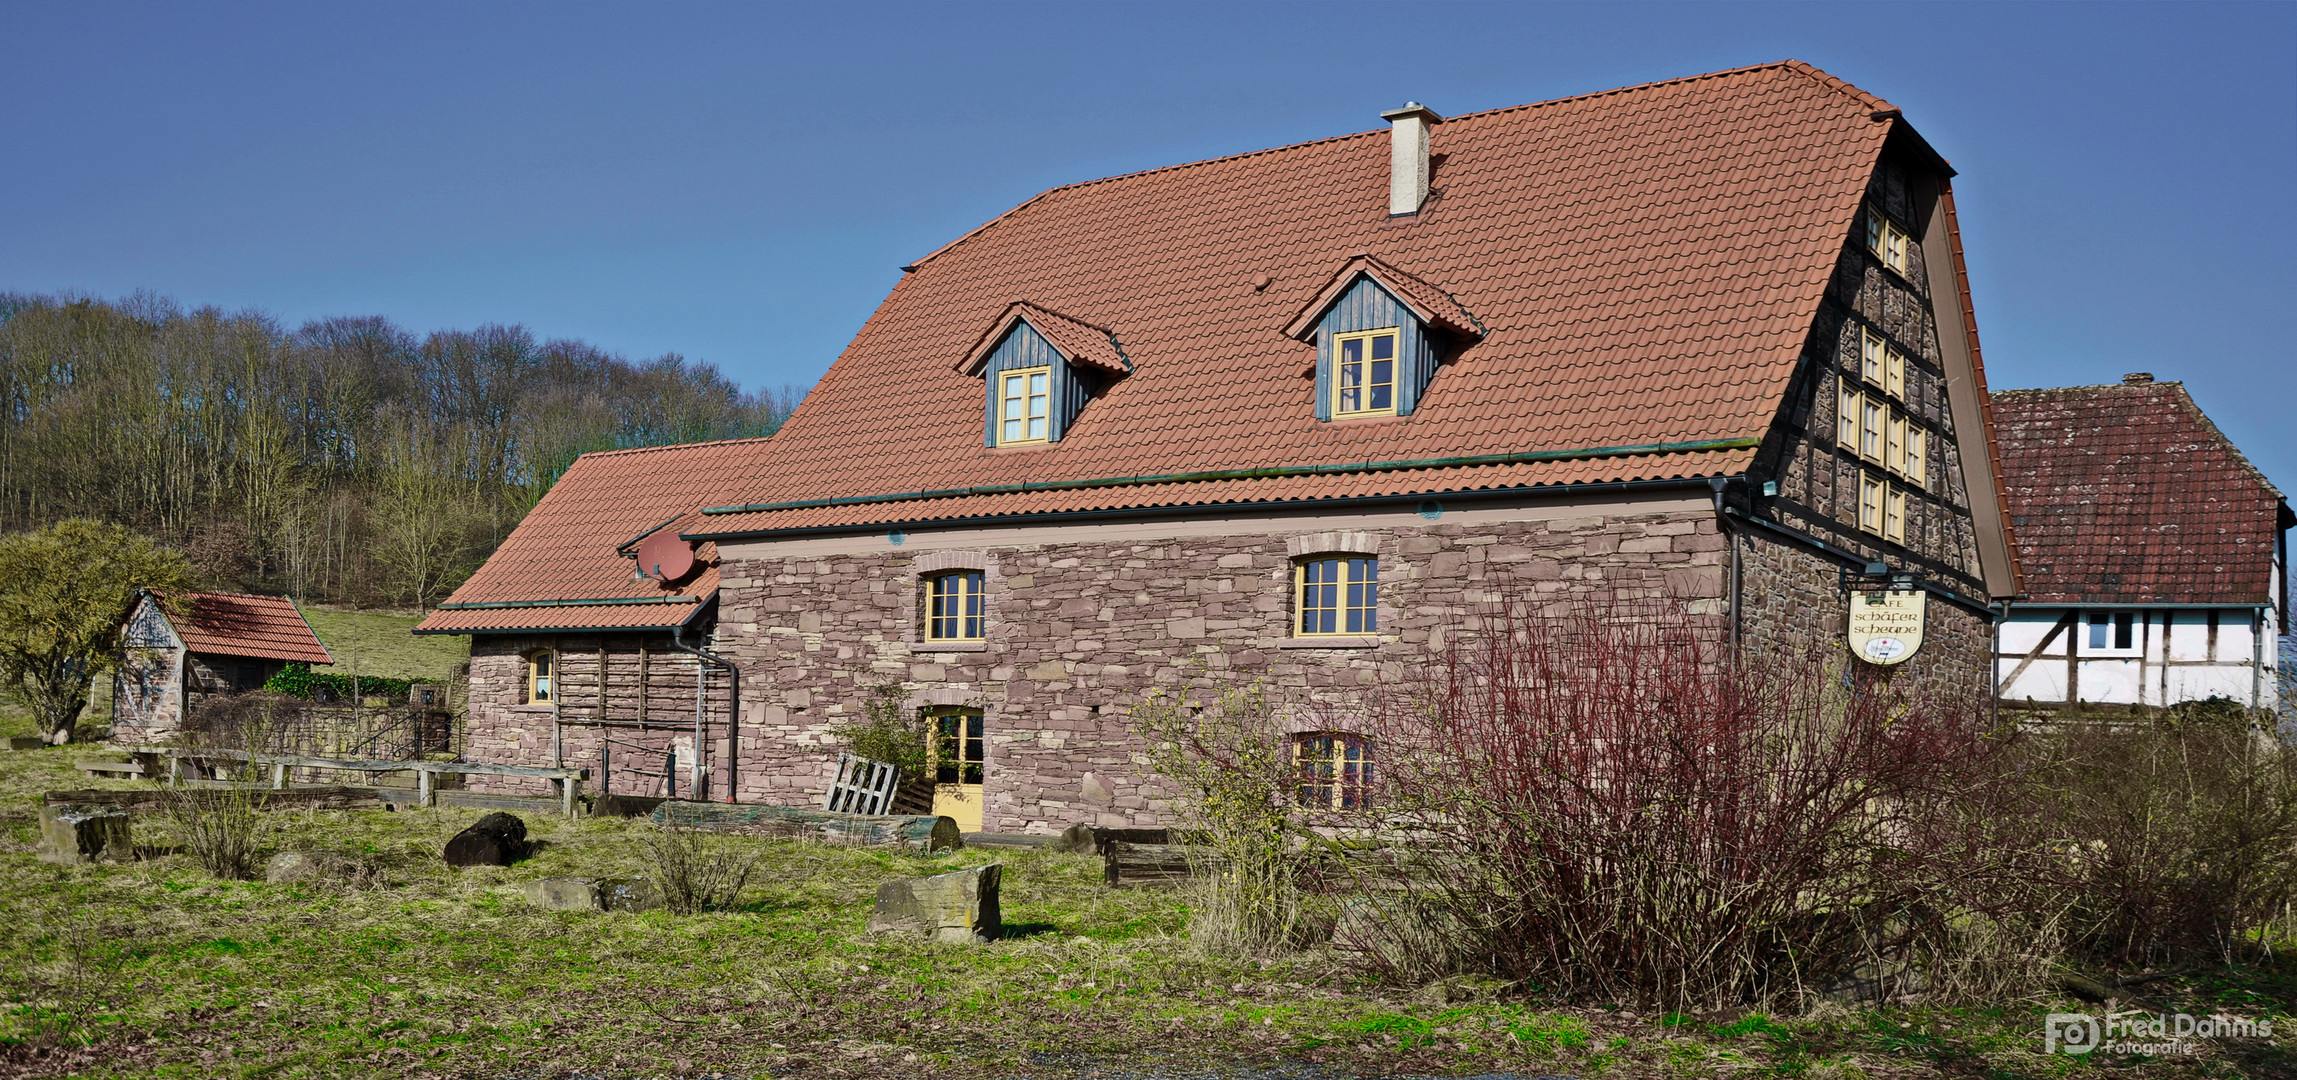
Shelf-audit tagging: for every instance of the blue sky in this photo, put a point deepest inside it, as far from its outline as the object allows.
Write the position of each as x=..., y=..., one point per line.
x=739, y=182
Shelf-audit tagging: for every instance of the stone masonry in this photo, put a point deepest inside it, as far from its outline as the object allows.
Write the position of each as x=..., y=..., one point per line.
x=1078, y=632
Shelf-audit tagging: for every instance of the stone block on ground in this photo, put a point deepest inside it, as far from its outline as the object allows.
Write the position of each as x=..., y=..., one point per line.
x=959, y=907
x=72, y=833
x=593, y=894
x=497, y=839
x=25, y=742
x=290, y=867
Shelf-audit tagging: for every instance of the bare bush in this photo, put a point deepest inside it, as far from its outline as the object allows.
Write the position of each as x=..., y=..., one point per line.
x=695, y=870
x=1611, y=805
x=222, y=826
x=2180, y=829
x=1232, y=760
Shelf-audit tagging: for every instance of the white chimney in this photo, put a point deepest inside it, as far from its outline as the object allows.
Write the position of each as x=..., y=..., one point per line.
x=1408, y=156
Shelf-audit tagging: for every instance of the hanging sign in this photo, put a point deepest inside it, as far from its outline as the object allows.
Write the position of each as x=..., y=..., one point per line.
x=1886, y=625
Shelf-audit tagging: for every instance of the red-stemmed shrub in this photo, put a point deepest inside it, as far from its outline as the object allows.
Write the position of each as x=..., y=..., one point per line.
x=1611, y=802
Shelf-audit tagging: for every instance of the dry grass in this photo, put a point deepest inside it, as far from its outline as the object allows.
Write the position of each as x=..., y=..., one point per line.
x=166, y=970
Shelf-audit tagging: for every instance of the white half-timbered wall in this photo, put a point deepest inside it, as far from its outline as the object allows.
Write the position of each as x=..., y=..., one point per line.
x=2045, y=655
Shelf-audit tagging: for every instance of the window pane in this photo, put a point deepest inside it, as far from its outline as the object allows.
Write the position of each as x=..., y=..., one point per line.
x=2097, y=631
x=1384, y=347
x=1383, y=384
x=2122, y=636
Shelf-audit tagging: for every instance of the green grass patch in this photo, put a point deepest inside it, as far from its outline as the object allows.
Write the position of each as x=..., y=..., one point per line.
x=381, y=643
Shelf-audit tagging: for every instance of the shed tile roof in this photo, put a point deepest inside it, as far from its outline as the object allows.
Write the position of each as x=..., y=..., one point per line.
x=2129, y=495
x=1645, y=265
x=242, y=624
x=566, y=548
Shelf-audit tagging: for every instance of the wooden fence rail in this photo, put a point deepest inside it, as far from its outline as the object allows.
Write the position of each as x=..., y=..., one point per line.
x=426, y=772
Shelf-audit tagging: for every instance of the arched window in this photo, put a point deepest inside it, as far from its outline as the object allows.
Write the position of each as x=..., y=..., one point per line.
x=1335, y=770
x=955, y=607
x=540, y=670
x=1336, y=596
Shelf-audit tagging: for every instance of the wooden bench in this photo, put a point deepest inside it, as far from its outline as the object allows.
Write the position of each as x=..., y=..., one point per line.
x=110, y=768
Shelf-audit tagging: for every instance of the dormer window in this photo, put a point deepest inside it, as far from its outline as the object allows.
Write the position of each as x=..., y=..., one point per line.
x=1379, y=335
x=1024, y=411
x=1040, y=368
x=1364, y=366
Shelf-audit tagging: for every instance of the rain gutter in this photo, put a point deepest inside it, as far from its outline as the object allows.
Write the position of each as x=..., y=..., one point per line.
x=1253, y=474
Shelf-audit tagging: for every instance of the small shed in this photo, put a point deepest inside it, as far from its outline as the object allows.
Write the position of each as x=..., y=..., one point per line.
x=185, y=646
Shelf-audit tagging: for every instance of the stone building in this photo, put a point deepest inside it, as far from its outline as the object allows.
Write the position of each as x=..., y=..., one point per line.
x=2156, y=556
x=182, y=647
x=1298, y=415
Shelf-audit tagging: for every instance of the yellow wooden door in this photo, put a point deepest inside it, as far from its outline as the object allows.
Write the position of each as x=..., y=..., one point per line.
x=958, y=766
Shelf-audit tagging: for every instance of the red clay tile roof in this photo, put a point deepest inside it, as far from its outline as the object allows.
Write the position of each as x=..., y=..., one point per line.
x=1645, y=265
x=565, y=549
x=242, y=624
x=1080, y=343
x=2129, y=495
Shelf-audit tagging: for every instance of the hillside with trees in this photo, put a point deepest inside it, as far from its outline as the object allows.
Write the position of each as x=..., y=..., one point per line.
x=348, y=460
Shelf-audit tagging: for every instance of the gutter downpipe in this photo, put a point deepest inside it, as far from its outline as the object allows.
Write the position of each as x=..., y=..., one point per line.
x=1723, y=522
x=733, y=710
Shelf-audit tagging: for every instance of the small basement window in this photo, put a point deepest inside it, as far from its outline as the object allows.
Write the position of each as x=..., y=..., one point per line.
x=1024, y=406
x=538, y=676
x=954, y=607
x=1337, y=597
x=1364, y=373
x=1335, y=770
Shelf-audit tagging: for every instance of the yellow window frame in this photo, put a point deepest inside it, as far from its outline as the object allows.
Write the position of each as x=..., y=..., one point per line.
x=1873, y=493
x=1890, y=243
x=1894, y=443
x=957, y=606
x=1846, y=417
x=1367, y=388
x=1333, y=770
x=541, y=676
x=1035, y=401
x=1873, y=420
x=1872, y=354
x=1917, y=458
x=1894, y=373
x=1343, y=589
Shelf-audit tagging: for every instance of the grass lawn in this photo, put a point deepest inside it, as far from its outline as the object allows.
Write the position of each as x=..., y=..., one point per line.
x=437, y=972
x=380, y=644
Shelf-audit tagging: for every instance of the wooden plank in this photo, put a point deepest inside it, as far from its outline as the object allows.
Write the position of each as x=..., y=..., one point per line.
x=536, y=804
x=151, y=800
x=926, y=833
x=1135, y=866
x=466, y=768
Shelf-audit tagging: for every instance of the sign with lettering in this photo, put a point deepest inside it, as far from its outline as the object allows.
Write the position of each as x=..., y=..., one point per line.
x=1886, y=625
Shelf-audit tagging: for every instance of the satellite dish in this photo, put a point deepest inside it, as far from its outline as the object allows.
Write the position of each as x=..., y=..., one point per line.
x=665, y=557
